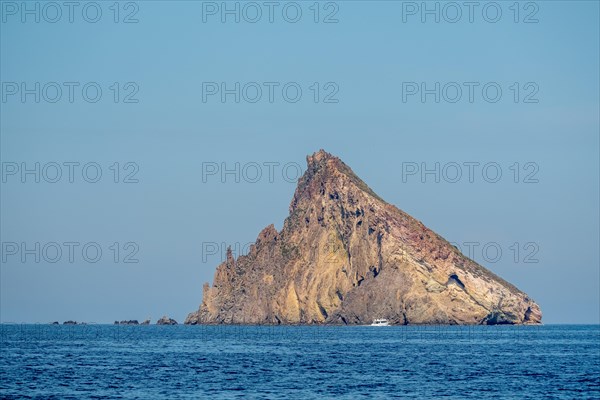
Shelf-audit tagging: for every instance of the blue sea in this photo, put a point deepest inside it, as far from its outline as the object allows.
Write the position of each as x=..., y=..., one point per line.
x=300, y=362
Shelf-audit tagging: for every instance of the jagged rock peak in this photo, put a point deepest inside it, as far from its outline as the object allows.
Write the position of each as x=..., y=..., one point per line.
x=345, y=256
x=324, y=169
x=319, y=156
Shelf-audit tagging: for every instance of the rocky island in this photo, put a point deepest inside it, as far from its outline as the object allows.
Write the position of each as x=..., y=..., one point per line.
x=345, y=256
x=166, y=321
x=127, y=322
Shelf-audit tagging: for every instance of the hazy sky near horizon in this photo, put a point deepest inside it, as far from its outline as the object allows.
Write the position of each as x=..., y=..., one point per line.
x=507, y=131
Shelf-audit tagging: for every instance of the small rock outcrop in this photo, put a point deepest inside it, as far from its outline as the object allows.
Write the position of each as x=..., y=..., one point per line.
x=146, y=322
x=130, y=322
x=166, y=321
x=345, y=256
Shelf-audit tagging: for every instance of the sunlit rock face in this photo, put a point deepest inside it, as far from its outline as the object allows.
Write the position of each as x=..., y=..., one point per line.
x=345, y=256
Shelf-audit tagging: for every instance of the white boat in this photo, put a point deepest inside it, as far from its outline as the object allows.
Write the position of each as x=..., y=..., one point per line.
x=380, y=322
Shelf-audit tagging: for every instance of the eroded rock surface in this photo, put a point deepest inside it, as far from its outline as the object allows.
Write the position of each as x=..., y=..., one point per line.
x=345, y=256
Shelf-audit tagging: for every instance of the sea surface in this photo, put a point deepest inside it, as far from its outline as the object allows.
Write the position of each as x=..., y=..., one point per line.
x=300, y=362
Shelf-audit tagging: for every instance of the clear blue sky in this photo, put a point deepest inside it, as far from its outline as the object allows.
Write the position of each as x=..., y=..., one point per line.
x=373, y=58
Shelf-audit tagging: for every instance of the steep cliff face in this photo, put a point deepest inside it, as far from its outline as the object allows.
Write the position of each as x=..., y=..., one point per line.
x=345, y=256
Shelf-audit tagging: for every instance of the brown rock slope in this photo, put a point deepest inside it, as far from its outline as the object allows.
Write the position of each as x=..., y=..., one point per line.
x=345, y=256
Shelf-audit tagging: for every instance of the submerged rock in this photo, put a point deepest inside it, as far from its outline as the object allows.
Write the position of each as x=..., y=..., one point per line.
x=345, y=256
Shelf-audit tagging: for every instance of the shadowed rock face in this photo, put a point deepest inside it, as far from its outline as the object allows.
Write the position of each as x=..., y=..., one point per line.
x=345, y=256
